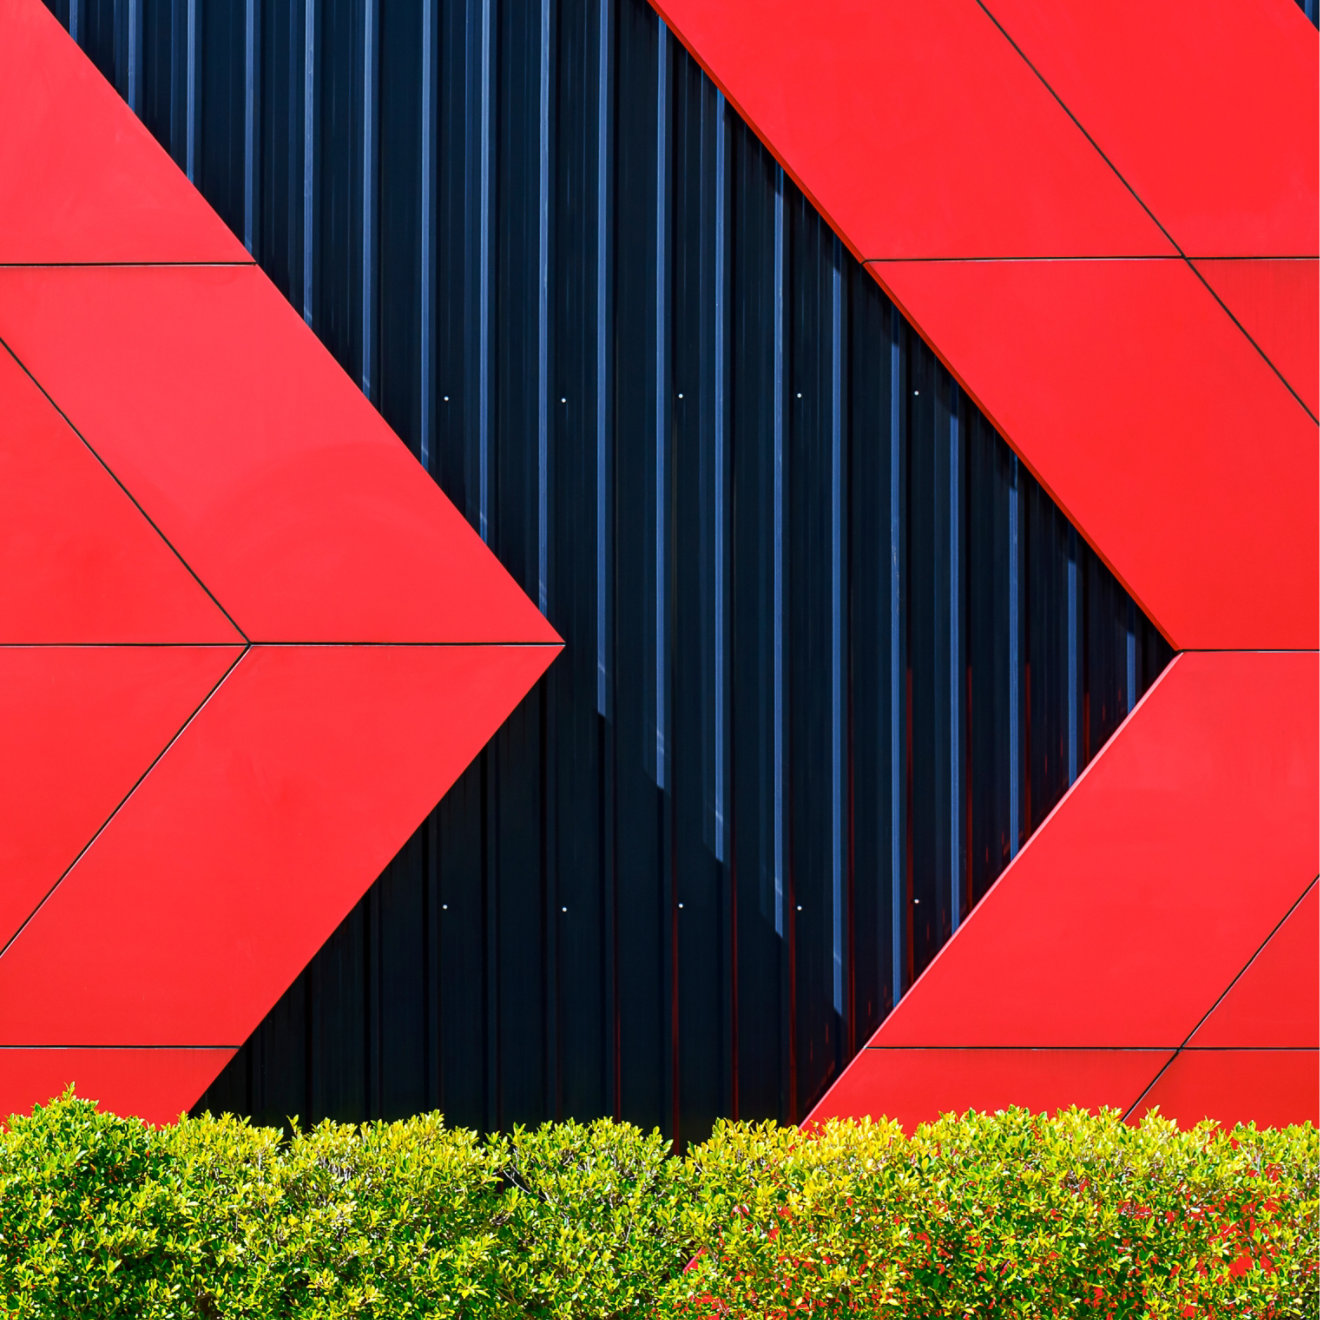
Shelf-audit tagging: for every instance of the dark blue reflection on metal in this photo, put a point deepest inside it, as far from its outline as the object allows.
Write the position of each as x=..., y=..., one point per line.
x=830, y=652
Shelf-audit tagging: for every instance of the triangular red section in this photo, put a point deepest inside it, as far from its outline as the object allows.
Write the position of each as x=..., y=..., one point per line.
x=81, y=179
x=250, y=841
x=1276, y=1000
x=1097, y=372
x=1278, y=304
x=78, y=562
x=258, y=458
x=81, y=726
x=1179, y=846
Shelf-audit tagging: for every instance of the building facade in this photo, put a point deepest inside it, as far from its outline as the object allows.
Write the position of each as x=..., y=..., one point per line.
x=831, y=652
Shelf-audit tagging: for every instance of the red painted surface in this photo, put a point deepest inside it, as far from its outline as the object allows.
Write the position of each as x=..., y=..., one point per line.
x=251, y=840
x=915, y=128
x=169, y=860
x=1126, y=915
x=157, y=1085
x=1270, y=1088
x=900, y=1084
x=1209, y=114
x=78, y=562
x=1278, y=304
x=1128, y=391
x=81, y=725
x=1276, y=1000
x=80, y=178
x=1147, y=411
x=258, y=458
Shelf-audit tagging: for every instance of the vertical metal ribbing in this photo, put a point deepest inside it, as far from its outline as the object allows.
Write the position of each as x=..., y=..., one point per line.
x=251, y=110
x=1014, y=664
x=134, y=55
x=178, y=66
x=426, y=254
x=777, y=551
x=192, y=97
x=1131, y=654
x=720, y=446
x=897, y=905
x=603, y=166
x=838, y=738
x=75, y=8
x=661, y=389
x=543, y=327
x=484, y=273
x=370, y=30
x=1074, y=661
x=309, y=158
x=955, y=659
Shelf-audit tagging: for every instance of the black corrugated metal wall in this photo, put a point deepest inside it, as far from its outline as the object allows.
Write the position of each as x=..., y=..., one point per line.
x=831, y=654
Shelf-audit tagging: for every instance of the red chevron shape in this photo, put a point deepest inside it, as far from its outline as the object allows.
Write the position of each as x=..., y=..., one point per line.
x=1131, y=191
x=245, y=642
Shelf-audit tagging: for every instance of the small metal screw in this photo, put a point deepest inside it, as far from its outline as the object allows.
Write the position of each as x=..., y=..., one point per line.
x=799, y=394
x=799, y=907
x=680, y=905
x=563, y=400
x=444, y=907
x=446, y=398
x=563, y=909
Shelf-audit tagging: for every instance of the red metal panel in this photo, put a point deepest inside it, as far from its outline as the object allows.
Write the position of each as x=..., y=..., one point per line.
x=251, y=839
x=1270, y=1088
x=1156, y=878
x=157, y=1085
x=1278, y=304
x=1276, y=1000
x=1152, y=468
x=1162, y=871
x=1209, y=115
x=78, y=563
x=915, y=128
x=258, y=458
x=80, y=726
x=916, y=1086
x=80, y=178
x=278, y=484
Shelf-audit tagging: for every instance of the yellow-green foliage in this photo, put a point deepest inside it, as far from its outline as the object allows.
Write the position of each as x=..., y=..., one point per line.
x=1002, y=1215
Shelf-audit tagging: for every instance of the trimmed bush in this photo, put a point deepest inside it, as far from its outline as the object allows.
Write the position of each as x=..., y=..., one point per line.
x=1002, y=1215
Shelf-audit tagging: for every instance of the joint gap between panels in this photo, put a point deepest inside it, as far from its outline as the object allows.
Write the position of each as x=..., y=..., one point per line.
x=1183, y=1048
x=158, y=646
x=1022, y=1049
x=107, y=1049
x=127, y=265
x=308, y=646
x=1081, y=128
x=114, y=476
x=1265, y=357
x=119, y=806
x=1017, y=260
x=1228, y=989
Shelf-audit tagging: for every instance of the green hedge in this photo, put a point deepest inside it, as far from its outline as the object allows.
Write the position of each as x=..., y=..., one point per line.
x=1005, y=1215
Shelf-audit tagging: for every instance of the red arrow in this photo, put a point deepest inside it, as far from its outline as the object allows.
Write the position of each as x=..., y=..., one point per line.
x=1130, y=191
x=245, y=642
